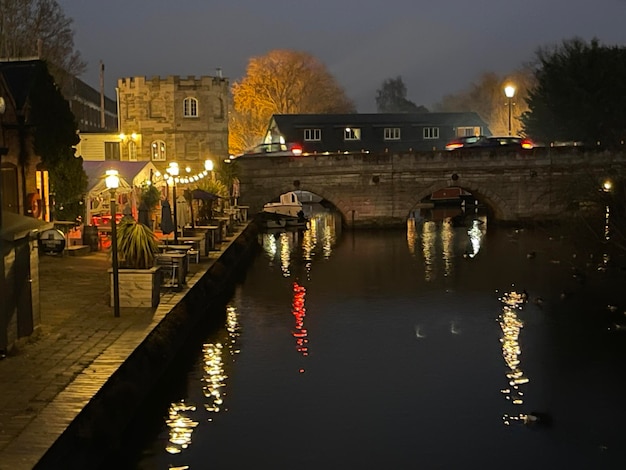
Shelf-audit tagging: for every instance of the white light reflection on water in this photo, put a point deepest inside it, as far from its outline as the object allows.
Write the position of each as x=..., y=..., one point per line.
x=445, y=236
x=270, y=246
x=511, y=327
x=309, y=242
x=429, y=239
x=285, y=252
x=447, y=246
x=411, y=234
x=180, y=427
x=321, y=232
x=476, y=234
x=179, y=422
x=329, y=236
x=607, y=219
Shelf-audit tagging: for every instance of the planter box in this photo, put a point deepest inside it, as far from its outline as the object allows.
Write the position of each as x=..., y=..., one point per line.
x=137, y=287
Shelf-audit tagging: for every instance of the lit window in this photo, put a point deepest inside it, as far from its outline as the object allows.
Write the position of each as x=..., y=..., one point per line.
x=431, y=132
x=158, y=150
x=467, y=131
x=392, y=133
x=351, y=133
x=132, y=151
x=190, y=107
x=313, y=134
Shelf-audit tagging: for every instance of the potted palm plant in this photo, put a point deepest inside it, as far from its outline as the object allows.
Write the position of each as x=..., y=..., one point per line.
x=136, y=245
x=148, y=201
x=139, y=279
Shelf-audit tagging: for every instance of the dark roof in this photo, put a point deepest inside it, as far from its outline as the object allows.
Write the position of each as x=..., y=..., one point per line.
x=74, y=88
x=19, y=77
x=16, y=226
x=379, y=119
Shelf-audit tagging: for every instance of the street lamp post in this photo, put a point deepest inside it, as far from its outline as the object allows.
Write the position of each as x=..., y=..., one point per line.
x=173, y=170
x=112, y=182
x=509, y=91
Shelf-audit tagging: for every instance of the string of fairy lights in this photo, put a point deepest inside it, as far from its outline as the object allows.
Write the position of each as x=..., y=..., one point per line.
x=173, y=173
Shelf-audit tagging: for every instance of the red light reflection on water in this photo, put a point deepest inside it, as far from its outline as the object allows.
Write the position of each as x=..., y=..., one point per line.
x=299, y=312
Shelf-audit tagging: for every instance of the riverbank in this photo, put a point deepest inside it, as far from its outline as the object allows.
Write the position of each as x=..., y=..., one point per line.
x=74, y=384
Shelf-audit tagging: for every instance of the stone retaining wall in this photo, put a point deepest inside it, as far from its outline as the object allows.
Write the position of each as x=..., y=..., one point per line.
x=99, y=428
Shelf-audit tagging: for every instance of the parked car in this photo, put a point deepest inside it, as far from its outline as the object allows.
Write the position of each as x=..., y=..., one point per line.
x=275, y=149
x=467, y=142
x=510, y=142
x=481, y=141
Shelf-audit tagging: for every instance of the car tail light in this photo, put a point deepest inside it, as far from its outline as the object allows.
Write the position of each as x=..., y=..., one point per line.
x=297, y=151
x=454, y=145
x=527, y=144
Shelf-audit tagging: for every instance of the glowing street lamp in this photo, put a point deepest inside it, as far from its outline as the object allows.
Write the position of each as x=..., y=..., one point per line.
x=112, y=182
x=173, y=171
x=509, y=91
x=208, y=167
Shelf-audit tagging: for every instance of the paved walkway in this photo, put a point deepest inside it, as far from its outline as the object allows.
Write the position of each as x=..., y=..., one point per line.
x=48, y=378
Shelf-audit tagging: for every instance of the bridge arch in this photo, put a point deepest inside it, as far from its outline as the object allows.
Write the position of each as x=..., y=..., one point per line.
x=409, y=200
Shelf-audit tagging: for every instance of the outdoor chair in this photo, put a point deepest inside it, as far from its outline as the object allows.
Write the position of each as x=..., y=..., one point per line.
x=194, y=255
x=170, y=270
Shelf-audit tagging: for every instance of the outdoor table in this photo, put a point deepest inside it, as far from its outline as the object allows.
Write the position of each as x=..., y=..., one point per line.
x=190, y=248
x=203, y=244
x=180, y=261
x=195, y=240
x=243, y=212
x=225, y=229
x=212, y=235
x=179, y=247
x=234, y=213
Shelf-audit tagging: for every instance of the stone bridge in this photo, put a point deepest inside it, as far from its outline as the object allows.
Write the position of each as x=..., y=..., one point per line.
x=383, y=189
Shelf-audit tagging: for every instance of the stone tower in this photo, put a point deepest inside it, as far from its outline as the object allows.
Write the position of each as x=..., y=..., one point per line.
x=174, y=119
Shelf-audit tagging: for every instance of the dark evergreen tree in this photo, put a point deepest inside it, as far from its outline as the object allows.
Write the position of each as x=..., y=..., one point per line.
x=54, y=129
x=579, y=95
x=391, y=98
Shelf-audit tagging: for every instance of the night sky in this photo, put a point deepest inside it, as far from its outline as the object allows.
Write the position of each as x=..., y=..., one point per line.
x=437, y=47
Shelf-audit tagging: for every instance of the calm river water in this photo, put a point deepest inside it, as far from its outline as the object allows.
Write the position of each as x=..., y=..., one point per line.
x=404, y=349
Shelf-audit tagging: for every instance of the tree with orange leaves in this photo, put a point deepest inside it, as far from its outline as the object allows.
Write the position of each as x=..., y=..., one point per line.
x=281, y=82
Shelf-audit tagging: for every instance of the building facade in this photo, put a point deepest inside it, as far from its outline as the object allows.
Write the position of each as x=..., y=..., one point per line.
x=23, y=185
x=380, y=132
x=93, y=111
x=173, y=119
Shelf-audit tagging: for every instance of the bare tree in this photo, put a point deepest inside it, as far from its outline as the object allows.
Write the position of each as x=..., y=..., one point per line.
x=39, y=28
x=283, y=82
x=486, y=97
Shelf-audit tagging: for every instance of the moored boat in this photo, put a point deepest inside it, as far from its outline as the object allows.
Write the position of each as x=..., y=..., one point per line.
x=288, y=205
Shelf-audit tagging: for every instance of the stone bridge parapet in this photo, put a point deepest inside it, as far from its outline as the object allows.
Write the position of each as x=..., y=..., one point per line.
x=382, y=189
